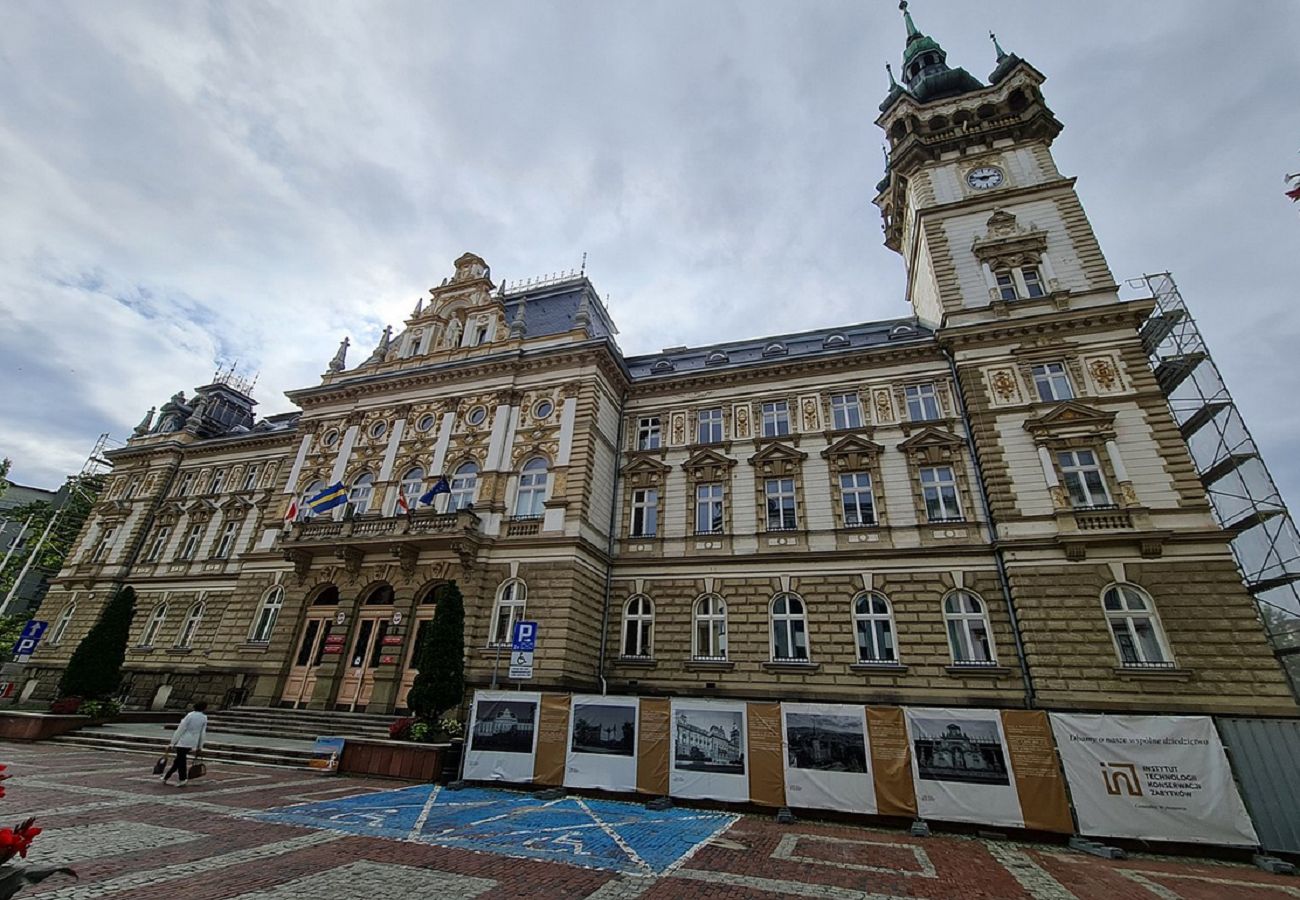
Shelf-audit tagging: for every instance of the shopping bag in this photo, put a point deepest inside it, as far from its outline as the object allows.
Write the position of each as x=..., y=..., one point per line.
x=161, y=765
x=197, y=770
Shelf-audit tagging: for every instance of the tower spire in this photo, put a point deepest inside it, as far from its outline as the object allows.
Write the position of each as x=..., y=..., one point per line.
x=1002, y=54
x=893, y=85
x=912, y=31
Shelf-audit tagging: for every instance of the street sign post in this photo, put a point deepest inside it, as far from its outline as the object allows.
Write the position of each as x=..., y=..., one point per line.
x=33, y=631
x=522, y=647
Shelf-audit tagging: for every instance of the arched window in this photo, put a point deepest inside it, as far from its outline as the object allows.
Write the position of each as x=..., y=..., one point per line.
x=789, y=629
x=709, y=639
x=328, y=596
x=432, y=594
x=1139, y=639
x=532, y=489
x=413, y=486
x=511, y=597
x=379, y=595
x=464, y=485
x=968, y=630
x=190, y=627
x=304, y=512
x=363, y=487
x=154, y=625
x=61, y=626
x=873, y=628
x=638, y=627
x=267, y=612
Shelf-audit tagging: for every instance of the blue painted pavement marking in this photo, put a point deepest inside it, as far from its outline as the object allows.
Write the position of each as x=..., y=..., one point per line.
x=602, y=834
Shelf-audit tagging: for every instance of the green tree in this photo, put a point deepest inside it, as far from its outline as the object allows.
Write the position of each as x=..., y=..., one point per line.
x=95, y=670
x=82, y=493
x=440, y=683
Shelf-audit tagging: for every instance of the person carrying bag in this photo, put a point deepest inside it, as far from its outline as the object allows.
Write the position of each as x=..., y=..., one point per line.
x=189, y=736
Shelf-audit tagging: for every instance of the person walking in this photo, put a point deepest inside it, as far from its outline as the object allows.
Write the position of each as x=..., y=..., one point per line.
x=189, y=735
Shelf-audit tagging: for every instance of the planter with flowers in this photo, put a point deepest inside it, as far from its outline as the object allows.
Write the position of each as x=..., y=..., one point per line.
x=16, y=842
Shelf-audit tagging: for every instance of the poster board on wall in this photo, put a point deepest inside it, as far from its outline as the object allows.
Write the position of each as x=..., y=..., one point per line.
x=502, y=738
x=827, y=757
x=1164, y=778
x=962, y=768
x=654, y=747
x=601, y=750
x=709, y=757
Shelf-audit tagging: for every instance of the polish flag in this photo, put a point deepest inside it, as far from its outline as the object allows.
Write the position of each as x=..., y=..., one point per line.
x=291, y=513
x=402, y=506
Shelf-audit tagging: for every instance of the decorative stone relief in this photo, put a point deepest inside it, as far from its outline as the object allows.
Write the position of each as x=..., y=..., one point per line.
x=1004, y=386
x=1104, y=372
x=810, y=415
x=883, y=405
x=741, y=422
x=678, y=433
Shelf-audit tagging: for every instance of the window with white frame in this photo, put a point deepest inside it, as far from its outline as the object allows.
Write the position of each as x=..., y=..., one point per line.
x=226, y=542
x=638, y=627
x=709, y=426
x=922, y=402
x=1083, y=479
x=61, y=626
x=645, y=512
x=511, y=597
x=190, y=545
x=186, y=485
x=776, y=418
x=846, y=411
x=104, y=546
x=1052, y=382
x=530, y=500
x=464, y=487
x=481, y=331
x=250, y=477
x=969, y=636
x=363, y=489
x=267, y=613
x=218, y=481
x=1033, y=282
x=647, y=433
x=708, y=508
x=873, y=629
x=1007, y=286
x=154, y=625
x=313, y=489
x=132, y=487
x=789, y=629
x=939, y=490
x=709, y=636
x=1024, y=282
x=782, y=512
x=190, y=627
x=1139, y=639
x=856, y=499
x=412, y=486
x=161, y=535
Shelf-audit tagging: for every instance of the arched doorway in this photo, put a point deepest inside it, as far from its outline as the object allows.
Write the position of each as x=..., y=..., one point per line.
x=311, y=647
x=370, y=646
x=426, y=603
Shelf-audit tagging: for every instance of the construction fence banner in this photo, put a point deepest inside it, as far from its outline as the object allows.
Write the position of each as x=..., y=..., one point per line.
x=710, y=750
x=602, y=743
x=502, y=738
x=1164, y=778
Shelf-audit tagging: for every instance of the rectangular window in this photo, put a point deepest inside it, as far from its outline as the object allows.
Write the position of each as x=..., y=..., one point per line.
x=645, y=512
x=226, y=543
x=186, y=485
x=922, y=402
x=859, y=504
x=846, y=411
x=776, y=419
x=647, y=433
x=159, y=543
x=218, y=481
x=781, y=510
x=708, y=508
x=1033, y=281
x=1052, y=382
x=1083, y=478
x=250, y=477
x=1007, y=286
x=709, y=426
x=939, y=488
x=190, y=545
x=105, y=544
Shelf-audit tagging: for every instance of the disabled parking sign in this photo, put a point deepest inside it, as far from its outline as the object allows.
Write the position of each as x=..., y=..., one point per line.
x=522, y=646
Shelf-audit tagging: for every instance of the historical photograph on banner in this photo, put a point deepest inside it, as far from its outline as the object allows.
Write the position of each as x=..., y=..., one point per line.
x=959, y=761
x=502, y=736
x=602, y=743
x=826, y=758
x=708, y=751
x=1163, y=778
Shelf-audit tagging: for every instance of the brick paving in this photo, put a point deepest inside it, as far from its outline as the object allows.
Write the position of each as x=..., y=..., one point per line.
x=227, y=837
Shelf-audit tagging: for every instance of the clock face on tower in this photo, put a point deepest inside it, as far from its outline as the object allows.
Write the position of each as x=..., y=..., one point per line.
x=984, y=177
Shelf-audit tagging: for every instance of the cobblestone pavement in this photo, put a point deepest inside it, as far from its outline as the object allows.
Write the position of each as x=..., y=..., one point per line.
x=246, y=833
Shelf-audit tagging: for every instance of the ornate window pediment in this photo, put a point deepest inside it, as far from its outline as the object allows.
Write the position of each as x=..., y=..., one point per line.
x=778, y=459
x=645, y=470
x=1008, y=244
x=708, y=465
x=235, y=507
x=201, y=510
x=931, y=445
x=852, y=452
x=114, y=509
x=1072, y=419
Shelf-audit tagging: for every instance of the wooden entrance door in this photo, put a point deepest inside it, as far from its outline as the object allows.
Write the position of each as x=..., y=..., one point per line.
x=358, y=681
x=306, y=662
x=419, y=628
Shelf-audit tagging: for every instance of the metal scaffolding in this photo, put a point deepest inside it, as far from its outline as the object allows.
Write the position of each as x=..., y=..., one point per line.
x=1246, y=501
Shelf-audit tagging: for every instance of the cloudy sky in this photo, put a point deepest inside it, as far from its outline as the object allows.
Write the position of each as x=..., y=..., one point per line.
x=185, y=184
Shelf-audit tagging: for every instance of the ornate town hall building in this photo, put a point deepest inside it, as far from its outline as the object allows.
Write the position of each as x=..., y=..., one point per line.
x=985, y=503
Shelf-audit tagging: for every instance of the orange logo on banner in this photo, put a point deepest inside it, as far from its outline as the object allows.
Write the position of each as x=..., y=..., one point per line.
x=1121, y=778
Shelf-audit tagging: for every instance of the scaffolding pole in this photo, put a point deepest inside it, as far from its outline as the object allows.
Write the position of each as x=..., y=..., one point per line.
x=1240, y=488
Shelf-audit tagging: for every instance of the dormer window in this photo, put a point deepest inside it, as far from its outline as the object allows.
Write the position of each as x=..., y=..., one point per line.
x=834, y=341
x=776, y=348
x=901, y=331
x=663, y=365
x=716, y=358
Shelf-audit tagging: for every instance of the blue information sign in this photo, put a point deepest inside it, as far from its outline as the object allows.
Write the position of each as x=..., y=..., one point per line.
x=33, y=631
x=524, y=637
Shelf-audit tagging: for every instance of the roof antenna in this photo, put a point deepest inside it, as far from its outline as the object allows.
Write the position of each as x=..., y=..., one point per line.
x=583, y=270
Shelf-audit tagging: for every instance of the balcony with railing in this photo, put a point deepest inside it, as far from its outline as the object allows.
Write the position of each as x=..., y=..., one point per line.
x=366, y=529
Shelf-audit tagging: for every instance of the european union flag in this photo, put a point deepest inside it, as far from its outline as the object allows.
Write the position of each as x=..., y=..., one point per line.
x=442, y=487
x=334, y=495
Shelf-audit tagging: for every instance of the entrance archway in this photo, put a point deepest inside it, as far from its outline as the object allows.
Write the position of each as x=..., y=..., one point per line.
x=312, y=641
x=369, y=646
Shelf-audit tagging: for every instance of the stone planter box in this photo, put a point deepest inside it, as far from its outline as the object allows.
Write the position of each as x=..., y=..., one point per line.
x=393, y=759
x=35, y=726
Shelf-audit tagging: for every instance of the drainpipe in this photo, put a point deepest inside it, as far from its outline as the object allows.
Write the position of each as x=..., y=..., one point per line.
x=609, y=548
x=998, y=556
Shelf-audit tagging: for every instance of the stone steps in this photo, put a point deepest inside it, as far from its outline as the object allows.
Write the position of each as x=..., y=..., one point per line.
x=215, y=751
x=299, y=724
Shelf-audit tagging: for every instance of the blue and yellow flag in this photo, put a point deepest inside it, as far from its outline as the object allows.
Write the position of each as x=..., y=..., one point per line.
x=334, y=495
